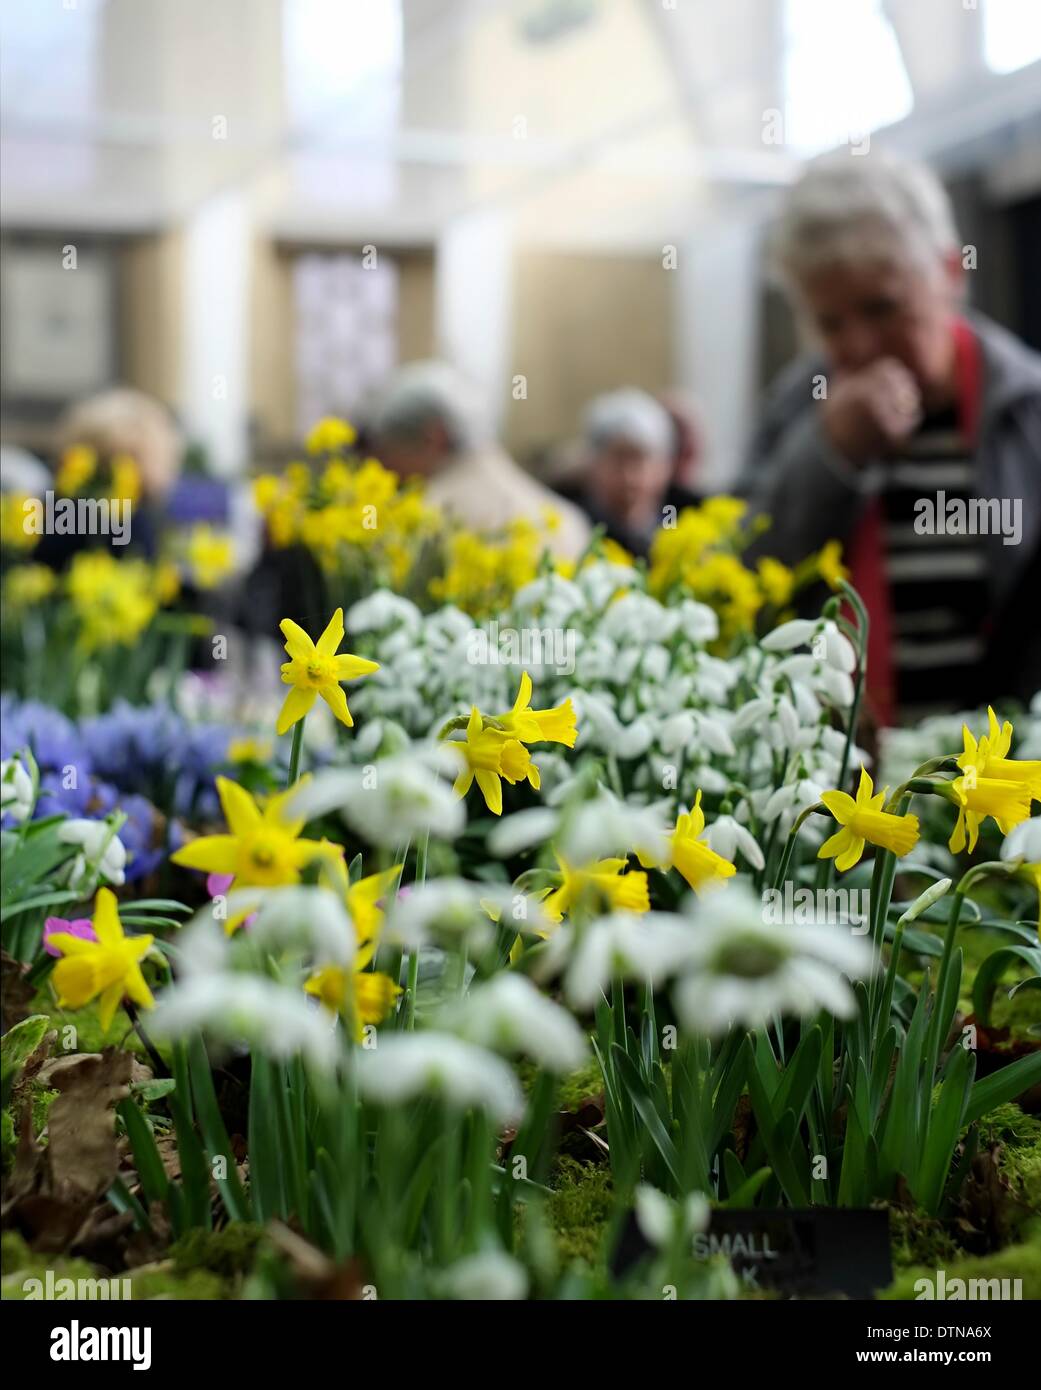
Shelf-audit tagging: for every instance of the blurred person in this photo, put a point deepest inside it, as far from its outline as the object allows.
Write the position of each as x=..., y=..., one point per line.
x=427, y=423
x=915, y=416
x=629, y=473
x=131, y=435
x=688, y=440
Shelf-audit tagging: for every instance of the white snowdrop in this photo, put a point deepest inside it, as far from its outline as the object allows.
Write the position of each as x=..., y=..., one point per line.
x=16, y=790
x=411, y=1066
x=509, y=1014
x=727, y=836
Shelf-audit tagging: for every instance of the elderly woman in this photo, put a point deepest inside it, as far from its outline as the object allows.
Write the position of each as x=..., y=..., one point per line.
x=630, y=445
x=428, y=423
x=913, y=436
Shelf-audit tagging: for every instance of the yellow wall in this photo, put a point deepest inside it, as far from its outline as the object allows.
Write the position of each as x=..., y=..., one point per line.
x=584, y=323
x=150, y=314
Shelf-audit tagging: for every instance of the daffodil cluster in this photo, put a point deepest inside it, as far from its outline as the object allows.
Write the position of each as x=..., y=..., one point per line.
x=351, y=513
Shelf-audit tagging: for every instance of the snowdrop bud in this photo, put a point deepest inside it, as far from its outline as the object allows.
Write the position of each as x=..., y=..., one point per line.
x=787, y=719
x=522, y=830
x=750, y=714
x=634, y=741
x=726, y=836
x=788, y=636
x=839, y=651
x=677, y=732
x=655, y=1215
x=1024, y=842
x=715, y=736
x=932, y=894
x=698, y=622
x=16, y=790
x=490, y=1275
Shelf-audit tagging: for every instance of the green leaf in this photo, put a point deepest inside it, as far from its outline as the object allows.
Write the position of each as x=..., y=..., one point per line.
x=644, y=1104
x=1001, y=1086
x=991, y=971
x=17, y=1046
x=214, y=1132
x=43, y=900
x=945, y=1125
x=149, y=1165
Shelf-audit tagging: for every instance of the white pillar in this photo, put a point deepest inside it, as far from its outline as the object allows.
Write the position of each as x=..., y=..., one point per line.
x=215, y=365
x=473, y=269
x=717, y=337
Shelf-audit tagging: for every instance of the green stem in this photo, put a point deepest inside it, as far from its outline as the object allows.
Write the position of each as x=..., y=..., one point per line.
x=294, y=754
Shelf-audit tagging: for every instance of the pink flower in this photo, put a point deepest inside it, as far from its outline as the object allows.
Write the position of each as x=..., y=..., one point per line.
x=80, y=927
x=217, y=885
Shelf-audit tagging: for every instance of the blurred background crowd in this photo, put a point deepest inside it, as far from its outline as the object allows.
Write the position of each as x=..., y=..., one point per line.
x=610, y=256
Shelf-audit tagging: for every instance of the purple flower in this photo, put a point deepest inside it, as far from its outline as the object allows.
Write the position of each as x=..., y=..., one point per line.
x=80, y=926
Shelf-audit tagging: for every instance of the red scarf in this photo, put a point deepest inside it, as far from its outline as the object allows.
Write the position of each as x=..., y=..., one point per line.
x=867, y=554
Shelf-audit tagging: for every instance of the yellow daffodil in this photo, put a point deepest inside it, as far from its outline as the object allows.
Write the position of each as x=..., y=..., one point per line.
x=830, y=566
x=109, y=967
x=27, y=585
x=696, y=861
x=363, y=900
x=977, y=797
x=989, y=757
x=126, y=478
x=115, y=600
x=210, y=556
x=262, y=847
x=330, y=436
x=604, y=883
x=16, y=528
x=539, y=725
x=490, y=754
x=864, y=820
x=314, y=669
x=249, y=750
x=361, y=996
x=776, y=580
x=77, y=467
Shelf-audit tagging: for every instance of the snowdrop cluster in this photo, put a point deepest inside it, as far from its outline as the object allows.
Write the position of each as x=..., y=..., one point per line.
x=653, y=699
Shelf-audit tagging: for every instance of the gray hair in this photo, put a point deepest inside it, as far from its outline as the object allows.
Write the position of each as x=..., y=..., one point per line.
x=632, y=415
x=848, y=207
x=423, y=393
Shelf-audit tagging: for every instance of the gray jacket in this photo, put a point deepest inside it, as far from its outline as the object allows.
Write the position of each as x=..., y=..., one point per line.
x=813, y=494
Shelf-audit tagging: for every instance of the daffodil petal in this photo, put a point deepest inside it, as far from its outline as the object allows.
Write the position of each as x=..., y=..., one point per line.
x=240, y=810
x=297, y=703
x=298, y=644
x=332, y=636
x=335, y=698
x=214, y=854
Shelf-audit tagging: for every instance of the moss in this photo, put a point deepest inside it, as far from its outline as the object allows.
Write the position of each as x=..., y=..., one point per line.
x=19, y=1264
x=163, y=1281
x=229, y=1253
x=580, y=1085
x=1022, y=1261
x=1019, y=1161
x=579, y=1209
x=916, y=1238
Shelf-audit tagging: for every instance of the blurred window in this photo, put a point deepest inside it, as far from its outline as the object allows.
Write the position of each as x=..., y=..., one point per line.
x=844, y=75
x=1011, y=33
x=346, y=331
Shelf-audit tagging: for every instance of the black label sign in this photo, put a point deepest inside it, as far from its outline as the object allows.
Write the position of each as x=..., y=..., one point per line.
x=814, y=1253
